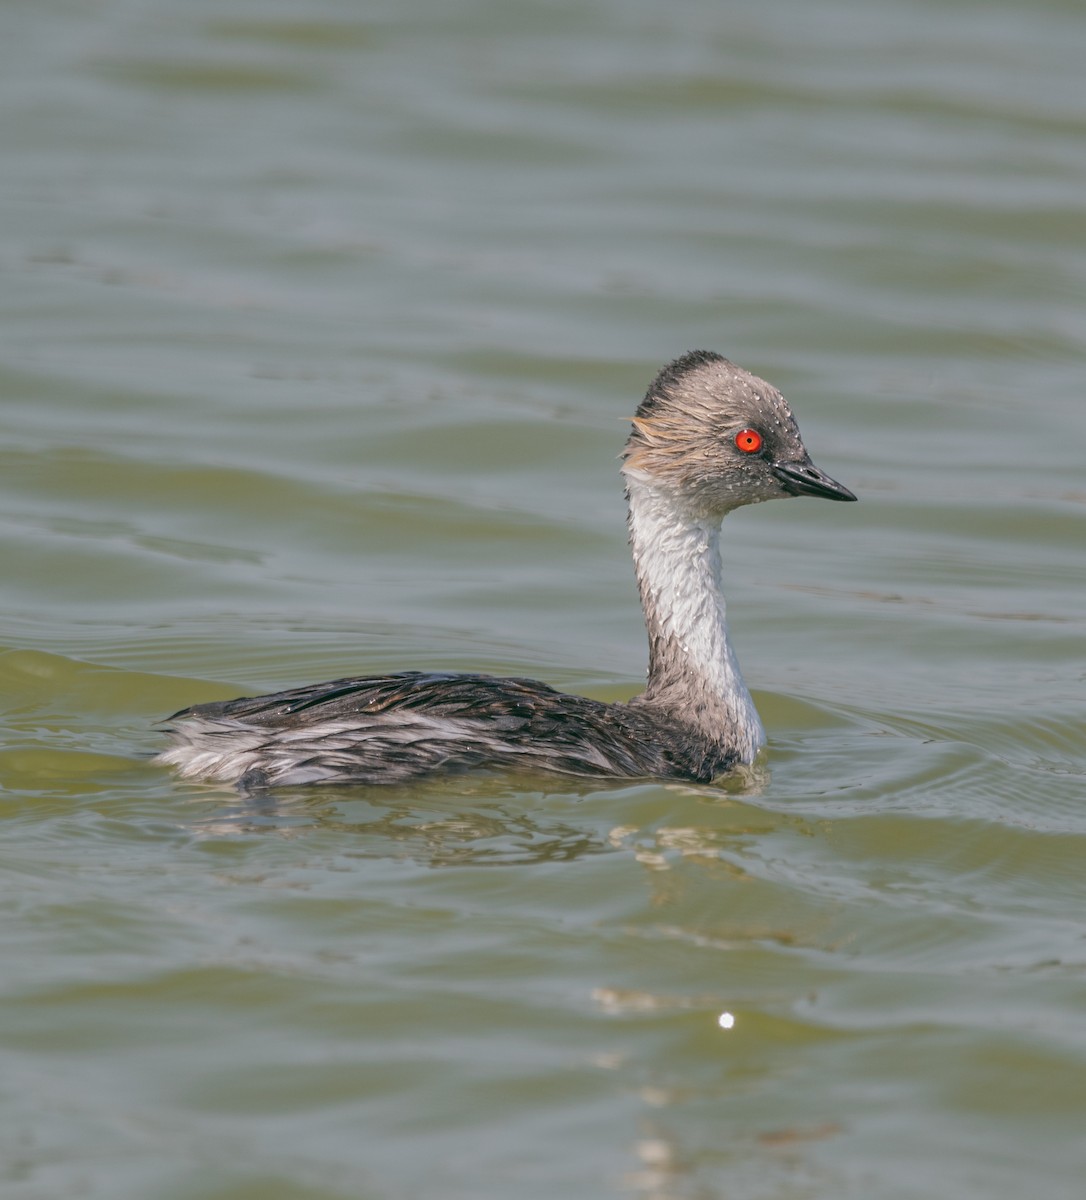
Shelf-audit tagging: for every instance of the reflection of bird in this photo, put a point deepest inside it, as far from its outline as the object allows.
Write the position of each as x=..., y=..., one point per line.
x=708, y=437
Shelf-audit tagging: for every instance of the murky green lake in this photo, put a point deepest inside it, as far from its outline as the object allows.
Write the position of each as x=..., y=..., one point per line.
x=319, y=327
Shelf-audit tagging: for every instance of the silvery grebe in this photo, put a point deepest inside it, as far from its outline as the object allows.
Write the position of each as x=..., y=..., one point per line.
x=707, y=438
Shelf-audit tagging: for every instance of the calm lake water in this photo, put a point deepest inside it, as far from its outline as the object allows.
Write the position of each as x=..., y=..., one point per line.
x=319, y=326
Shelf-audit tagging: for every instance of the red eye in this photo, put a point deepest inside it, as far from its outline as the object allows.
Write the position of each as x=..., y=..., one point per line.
x=749, y=441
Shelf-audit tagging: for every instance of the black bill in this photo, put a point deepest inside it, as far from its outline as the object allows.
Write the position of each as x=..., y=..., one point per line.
x=805, y=479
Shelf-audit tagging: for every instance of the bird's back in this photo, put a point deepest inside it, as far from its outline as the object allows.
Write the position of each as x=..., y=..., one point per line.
x=395, y=728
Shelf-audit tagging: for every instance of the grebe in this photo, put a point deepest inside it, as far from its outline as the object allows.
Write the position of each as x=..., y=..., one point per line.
x=708, y=438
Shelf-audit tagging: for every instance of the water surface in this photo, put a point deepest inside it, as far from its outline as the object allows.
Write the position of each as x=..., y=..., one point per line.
x=318, y=332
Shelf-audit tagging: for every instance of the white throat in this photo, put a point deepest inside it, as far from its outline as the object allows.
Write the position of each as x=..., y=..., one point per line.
x=693, y=669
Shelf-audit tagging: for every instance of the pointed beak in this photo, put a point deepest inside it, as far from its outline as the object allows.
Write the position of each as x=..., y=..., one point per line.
x=803, y=478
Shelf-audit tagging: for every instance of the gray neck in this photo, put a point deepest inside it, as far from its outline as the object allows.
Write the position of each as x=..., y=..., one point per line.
x=693, y=671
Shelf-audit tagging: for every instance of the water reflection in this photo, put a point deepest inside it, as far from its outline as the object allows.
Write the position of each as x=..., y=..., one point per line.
x=480, y=821
x=437, y=829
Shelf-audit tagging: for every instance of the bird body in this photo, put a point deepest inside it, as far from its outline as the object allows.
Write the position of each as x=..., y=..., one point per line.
x=395, y=728
x=708, y=438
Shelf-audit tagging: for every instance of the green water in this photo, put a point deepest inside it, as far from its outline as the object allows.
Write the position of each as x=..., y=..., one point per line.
x=318, y=326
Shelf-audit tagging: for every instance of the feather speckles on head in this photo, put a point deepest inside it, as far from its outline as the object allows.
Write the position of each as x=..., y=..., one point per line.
x=683, y=436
